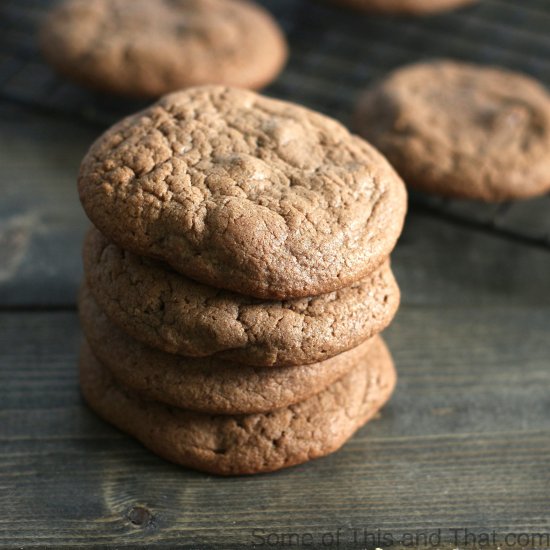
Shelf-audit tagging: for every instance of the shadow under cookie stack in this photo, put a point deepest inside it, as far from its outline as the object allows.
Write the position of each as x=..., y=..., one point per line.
x=236, y=280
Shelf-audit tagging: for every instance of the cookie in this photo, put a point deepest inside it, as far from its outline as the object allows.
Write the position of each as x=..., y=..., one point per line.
x=242, y=192
x=405, y=7
x=173, y=313
x=245, y=444
x=462, y=130
x=140, y=48
x=207, y=385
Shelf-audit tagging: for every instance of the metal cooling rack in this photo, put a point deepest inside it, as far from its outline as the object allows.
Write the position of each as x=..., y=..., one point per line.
x=334, y=54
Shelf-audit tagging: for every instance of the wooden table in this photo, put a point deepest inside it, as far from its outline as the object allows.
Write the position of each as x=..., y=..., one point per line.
x=463, y=444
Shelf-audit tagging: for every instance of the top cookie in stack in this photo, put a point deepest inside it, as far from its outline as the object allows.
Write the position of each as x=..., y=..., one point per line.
x=461, y=130
x=245, y=193
x=240, y=240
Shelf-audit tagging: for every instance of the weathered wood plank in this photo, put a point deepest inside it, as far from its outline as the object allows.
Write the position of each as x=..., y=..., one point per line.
x=464, y=443
x=41, y=222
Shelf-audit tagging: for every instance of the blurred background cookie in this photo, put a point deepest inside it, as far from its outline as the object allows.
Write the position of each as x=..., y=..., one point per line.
x=462, y=130
x=409, y=7
x=142, y=48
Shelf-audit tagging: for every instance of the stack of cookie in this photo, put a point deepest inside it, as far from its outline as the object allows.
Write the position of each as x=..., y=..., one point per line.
x=237, y=278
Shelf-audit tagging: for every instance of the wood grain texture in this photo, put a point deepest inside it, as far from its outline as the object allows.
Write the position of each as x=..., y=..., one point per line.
x=465, y=442
x=41, y=222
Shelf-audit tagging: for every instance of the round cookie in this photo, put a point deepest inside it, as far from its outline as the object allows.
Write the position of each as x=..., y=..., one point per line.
x=462, y=130
x=143, y=48
x=405, y=7
x=206, y=385
x=246, y=193
x=173, y=313
x=245, y=444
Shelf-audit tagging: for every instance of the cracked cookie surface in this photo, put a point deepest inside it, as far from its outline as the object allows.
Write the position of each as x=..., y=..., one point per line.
x=143, y=48
x=206, y=385
x=405, y=7
x=245, y=444
x=171, y=312
x=462, y=130
x=242, y=192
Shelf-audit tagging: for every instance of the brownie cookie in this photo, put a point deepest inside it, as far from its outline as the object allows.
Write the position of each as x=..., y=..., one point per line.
x=206, y=385
x=405, y=7
x=245, y=444
x=462, y=130
x=243, y=192
x=173, y=313
x=141, y=48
